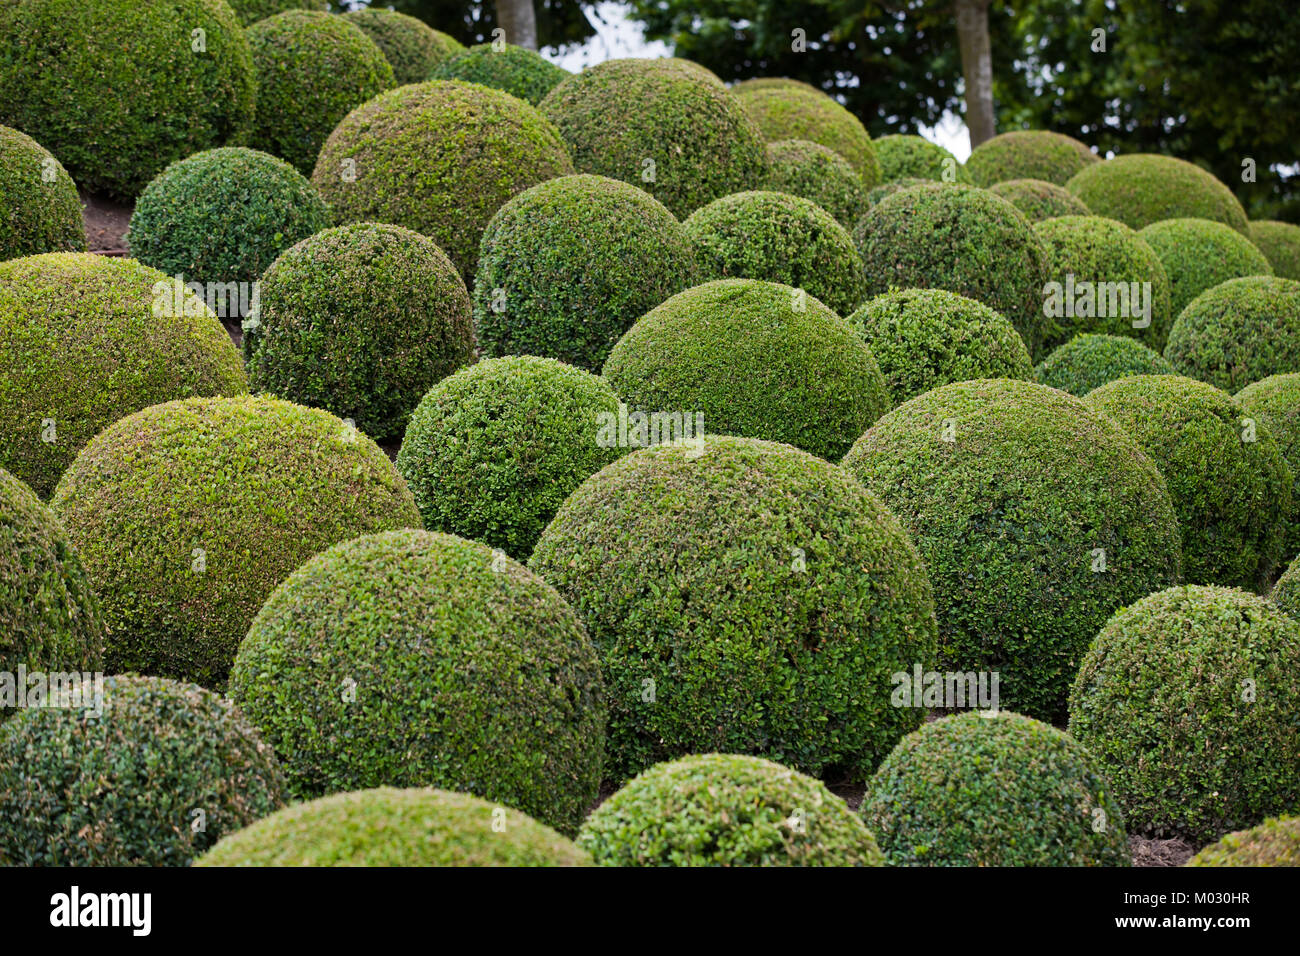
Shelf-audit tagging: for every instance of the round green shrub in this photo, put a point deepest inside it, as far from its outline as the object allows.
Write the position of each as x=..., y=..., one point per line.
x=1188, y=702
x=772, y=82
x=801, y=167
x=567, y=266
x=1238, y=332
x=512, y=69
x=86, y=340
x=724, y=810
x=1145, y=188
x=1198, y=254
x=410, y=658
x=439, y=158
x=411, y=46
x=250, y=11
x=1286, y=593
x=40, y=210
x=1280, y=243
x=744, y=597
x=1089, y=361
x=877, y=193
x=924, y=338
x=959, y=238
x=791, y=112
x=223, y=216
x=115, y=89
x=1039, y=199
x=494, y=450
x=1275, y=842
x=186, y=516
x=778, y=238
x=915, y=157
x=1229, y=483
x=126, y=779
x=982, y=789
x=1029, y=154
x=1102, y=277
x=388, y=827
x=755, y=359
x=1274, y=402
x=360, y=320
x=1037, y=518
x=663, y=125
x=313, y=69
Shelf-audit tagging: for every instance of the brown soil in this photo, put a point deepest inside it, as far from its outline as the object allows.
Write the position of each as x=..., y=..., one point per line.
x=106, y=223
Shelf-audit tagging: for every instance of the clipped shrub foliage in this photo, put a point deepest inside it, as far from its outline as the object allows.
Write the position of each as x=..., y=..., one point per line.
x=792, y=112
x=250, y=11
x=1280, y=243
x=801, y=167
x=1198, y=254
x=772, y=82
x=512, y=69
x=915, y=157
x=1275, y=842
x=1089, y=361
x=40, y=210
x=1274, y=403
x=1286, y=593
x=877, y=193
x=1029, y=154
x=1038, y=199
x=1144, y=188
x=411, y=46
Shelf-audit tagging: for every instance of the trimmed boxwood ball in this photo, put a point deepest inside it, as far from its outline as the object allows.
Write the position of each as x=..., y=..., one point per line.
x=1037, y=518
x=86, y=340
x=410, y=658
x=1286, y=593
x=1039, y=199
x=1229, y=483
x=439, y=158
x=1198, y=254
x=186, y=515
x=1188, y=701
x=877, y=193
x=915, y=157
x=772, y=82
x=1144, y=188
x=778, y=238
x=1090, y=361
x=1029, y=154
x=1238, y=332
x=250, y=11
x=40, y=210
x=411, y=46
x=801, y=167
x=924, y=338
x=667, y=126
x=390, y=827
x=726, y=810
x=752, y=358
x=1280, y=243
x=981, y=789
x=360, y=320
x=1275, y=842
x=959, y=238
x=129, y=785
x=492, y=451
x=744, y=597
x=567, y=266
x=1275, y=403
x=791, y=112
x=513, y=69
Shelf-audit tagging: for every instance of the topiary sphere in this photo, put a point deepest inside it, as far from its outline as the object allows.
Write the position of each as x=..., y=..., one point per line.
x=411, y=46
x=148, y=772
x=1286, y=593
x=388, y=827
x=725, y=810
x=86, y=340
x=1188, y=701
x=1037, y=518
x=1275, y=842
x=360, y=320
x=250, y=11
x=567, y=266
x=959, y=238
x=801, y=167
x=314, y=68
x=1280, y=242
x=1145, y=188
x=494, y=450
x=791, y=112
x=186, y=516
x=1089, y=361
x=667, y=126
x=778, y=238
x=416, y=659
x=513, y=69
x=772, y=82
x=115, y=88
x=750, y=358
x=771, y=628
x=1238, y=332
x=223, y=216
x=980, y=789
x=924, y=338
x=439, y=158
x=1029, y=154
x=1199, y=254
x=1229, y=483
x=1102, y=277
x=1039, y=199
x=1275, y=403
x=41, y=208
x=915, y=157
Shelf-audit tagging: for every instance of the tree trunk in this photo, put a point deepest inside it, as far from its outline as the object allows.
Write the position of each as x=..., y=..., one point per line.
x=519, y=21
x=976, y=67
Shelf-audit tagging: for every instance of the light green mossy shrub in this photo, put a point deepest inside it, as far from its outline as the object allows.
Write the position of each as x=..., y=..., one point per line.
x=1145, y=188
x=1090, y=361
x=1038, y=199
x=915, y=157
x=801, y=167
x=1280, y=243
x=877, y=193
x=40, y=210
x=411, y=46
x=792, y=112
x=1275, y=842
x=512, y=69
x=1199, y=254
x=1275, y=403
x=772, y=82
x=1029, y=154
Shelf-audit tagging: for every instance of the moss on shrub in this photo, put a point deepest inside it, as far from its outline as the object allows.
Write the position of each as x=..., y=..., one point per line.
x=1275, y=842
x=915, y=157
x=411, y=46
x=40, y=210
x=801, y=167
x=250, y=11
x=1199, y=254
x=1144, y=188
x=772, y=82
x=513, y=69
x=1089, y=361
x=1274, y=403
x=792, y=112
x=1029, y=154
x=1280, y=243
x=1039, y=199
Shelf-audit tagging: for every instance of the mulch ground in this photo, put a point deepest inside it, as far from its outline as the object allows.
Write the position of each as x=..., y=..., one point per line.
x=106, y=223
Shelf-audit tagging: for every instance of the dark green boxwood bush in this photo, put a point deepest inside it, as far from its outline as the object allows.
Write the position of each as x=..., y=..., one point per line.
x=994, y=790
x=1274, y=402
x=512, y=69
x=250, y=11
x=1286, y=593
x=1037, y=518
x=915, y=157
x=360, y=320
x=410, y=658
x=1280, y=243
x=1029, y=154
x=726, y=810
x=1198, y=254
x=1038, y=199
x=40, y=210
x=792, y=112
x=1188, y=701
x=801, y=167
x=186, y=516
x=1089, y=361
x=755, y=359
x=411, y=46
x=1275, y=842
x=1229, y=483
x=157, y=776
x=567, y=266
x=744, y=597
x=1144, y=188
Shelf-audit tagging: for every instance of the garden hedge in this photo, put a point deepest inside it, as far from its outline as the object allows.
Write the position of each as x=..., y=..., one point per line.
x=1038, y=199
x=412, y=47
x=40, y=210
x=791, y=112
x=801, y=167
x=1199, y=254
x=915, y=157
x=1274, y=402
x=250, y=11
x=1029, y=154
x=1275, y=842
x=1280, y=243
x=512, y=69
x=1144, y=188
x=1089, y=361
